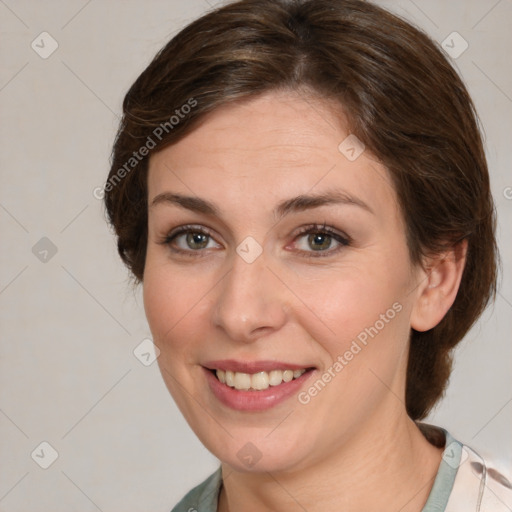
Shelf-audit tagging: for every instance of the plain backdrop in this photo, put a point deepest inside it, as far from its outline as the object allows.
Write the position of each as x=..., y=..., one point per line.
x=69, y=320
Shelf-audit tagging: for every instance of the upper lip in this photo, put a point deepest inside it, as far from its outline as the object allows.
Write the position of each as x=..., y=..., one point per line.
x=234, y=365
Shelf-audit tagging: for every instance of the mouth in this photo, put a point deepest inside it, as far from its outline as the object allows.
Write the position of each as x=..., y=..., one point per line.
x=255, y=386
x=258, y=381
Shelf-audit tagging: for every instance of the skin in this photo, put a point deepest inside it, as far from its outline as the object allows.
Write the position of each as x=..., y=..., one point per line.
x=355, y=434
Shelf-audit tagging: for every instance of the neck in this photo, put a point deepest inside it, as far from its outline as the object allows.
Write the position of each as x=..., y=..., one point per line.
x=387, y=467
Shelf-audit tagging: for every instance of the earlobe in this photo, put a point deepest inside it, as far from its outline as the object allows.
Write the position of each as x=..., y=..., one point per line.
x=440, y=281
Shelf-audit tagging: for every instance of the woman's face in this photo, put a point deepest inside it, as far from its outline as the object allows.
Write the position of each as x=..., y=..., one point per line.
x=272, y=248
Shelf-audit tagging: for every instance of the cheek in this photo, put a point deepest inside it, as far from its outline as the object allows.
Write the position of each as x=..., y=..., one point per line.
x=366, y=310
x=346, y=301
x=174, y=301
x=169, y=307
x=364, y=349
x=165, y=303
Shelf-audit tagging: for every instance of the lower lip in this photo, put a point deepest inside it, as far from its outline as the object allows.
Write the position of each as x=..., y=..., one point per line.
x=255, y=400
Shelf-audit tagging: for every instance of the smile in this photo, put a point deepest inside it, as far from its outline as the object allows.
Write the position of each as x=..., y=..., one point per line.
x=257, y=385
x=257, y=381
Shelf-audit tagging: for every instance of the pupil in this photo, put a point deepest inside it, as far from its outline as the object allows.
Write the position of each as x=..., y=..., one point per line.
x=196, y=238
x=318, y=238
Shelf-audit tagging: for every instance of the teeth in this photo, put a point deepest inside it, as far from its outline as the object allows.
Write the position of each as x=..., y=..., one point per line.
x=288, y=375
x=257, y=381
x=275, y=377
x=242, y=381
x=230, y=379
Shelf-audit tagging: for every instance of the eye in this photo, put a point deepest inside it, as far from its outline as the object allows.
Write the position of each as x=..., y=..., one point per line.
x=189, y=240
x=320, y=239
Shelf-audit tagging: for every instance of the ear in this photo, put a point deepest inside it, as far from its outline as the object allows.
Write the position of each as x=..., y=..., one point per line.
x=439, y=283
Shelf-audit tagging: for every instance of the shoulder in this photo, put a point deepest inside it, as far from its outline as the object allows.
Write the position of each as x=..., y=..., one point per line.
x=481, y=484
x=202, y=498
x=470, y=481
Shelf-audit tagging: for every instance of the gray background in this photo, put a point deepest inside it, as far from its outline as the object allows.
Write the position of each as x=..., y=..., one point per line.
x=70, y=323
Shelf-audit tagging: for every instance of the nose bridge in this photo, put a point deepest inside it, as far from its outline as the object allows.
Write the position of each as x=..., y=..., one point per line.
x=248, y=300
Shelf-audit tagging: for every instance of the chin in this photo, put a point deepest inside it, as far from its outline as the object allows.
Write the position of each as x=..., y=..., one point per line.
x=251, y=454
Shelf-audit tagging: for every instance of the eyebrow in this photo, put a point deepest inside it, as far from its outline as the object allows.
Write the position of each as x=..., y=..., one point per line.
x=299, y=203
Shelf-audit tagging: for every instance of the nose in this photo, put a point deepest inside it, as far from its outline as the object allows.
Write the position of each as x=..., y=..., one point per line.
x=250, y=301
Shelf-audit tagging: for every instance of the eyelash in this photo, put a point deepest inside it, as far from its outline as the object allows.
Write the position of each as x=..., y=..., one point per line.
x=343, y=239
x=189, y=228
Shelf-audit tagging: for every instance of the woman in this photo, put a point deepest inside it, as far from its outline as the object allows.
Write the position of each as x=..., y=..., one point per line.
x=301, y=189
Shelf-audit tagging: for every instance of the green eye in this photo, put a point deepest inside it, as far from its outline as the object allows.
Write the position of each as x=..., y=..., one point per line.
x=312, y=241
x=319, y=241
x=196, y=240
x=189, y=240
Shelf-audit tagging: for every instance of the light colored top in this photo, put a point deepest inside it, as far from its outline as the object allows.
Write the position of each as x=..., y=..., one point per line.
x=464, y=482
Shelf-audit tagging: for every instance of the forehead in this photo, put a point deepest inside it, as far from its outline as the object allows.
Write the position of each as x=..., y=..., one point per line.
x=268, y=148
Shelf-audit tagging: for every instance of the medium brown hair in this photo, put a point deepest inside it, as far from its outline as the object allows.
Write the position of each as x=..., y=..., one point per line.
x=402, y=98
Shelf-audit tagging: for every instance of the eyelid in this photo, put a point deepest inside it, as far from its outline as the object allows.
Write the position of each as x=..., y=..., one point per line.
x=199, y=228
x=322, y=228
x=181, y=230
x=340, y=237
